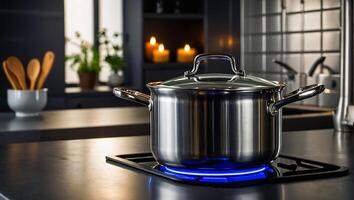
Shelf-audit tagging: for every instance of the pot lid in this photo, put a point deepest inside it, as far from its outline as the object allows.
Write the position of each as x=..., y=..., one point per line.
x=220, y=82
x=238, y=81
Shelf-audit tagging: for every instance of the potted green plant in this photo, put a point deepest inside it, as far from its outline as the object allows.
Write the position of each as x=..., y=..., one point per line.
x=86, y=62
x=113, y=52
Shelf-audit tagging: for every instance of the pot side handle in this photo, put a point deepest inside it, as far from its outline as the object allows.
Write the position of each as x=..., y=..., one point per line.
x=297, y=95
x=132, y=95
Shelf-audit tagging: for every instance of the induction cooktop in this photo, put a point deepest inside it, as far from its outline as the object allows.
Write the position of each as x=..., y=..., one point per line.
x=284, y=169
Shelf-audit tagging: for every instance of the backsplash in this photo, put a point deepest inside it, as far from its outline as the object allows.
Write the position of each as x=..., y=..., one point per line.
x=296, y=32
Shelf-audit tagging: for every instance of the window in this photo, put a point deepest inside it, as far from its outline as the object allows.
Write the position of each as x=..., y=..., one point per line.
x=111, y=18
x=80, y=16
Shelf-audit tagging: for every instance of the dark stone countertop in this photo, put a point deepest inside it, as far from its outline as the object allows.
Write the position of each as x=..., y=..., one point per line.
x=74, y=124
x=76, y=169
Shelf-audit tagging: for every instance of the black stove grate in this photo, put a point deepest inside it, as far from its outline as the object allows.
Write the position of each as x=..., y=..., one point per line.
x=283, y=169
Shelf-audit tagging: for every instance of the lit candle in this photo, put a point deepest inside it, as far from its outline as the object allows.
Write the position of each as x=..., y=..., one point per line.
x=150, y=47
x=186, y=54
x=161, y=54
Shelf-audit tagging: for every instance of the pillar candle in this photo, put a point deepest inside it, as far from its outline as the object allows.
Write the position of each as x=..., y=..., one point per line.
x=161, y=54
x=186, y=54
x=150, y=47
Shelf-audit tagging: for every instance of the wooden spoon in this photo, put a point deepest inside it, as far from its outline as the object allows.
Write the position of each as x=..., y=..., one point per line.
x=47, y=65
x=16, y=67
x=33, y=69
x=12, y=79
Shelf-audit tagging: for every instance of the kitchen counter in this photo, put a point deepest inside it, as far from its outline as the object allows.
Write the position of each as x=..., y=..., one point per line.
x=76, y=169
x=123, y=121
x=75, y=124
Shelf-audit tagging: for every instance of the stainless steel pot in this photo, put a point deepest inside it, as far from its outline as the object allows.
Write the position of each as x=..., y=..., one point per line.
x=216, y=120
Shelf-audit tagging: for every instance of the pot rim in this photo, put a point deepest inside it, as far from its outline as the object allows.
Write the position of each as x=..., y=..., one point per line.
x=157, y=85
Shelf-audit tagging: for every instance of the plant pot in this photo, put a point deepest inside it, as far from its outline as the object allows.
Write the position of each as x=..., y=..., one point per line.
x=87, y=80
x=116, y=79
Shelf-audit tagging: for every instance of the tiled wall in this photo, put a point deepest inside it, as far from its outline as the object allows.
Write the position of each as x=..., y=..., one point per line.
x=294, y=31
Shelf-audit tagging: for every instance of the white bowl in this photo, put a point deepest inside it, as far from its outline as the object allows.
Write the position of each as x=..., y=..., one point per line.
x=27, y=103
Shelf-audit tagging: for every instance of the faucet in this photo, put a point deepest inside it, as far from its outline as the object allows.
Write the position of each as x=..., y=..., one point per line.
x=317, y=63
x=343, y=119
x=303, y=76
x=292, y=71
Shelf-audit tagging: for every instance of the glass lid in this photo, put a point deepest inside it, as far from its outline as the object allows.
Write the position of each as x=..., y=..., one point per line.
x=238, y=81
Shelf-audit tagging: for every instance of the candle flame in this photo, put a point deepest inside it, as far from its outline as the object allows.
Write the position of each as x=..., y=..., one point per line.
x=152, y=40
x=161, y=48
x=187, y=48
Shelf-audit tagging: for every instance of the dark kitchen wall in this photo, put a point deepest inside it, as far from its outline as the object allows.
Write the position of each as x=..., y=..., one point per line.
x=133, y=41
x=222, y=32
x=28, y=29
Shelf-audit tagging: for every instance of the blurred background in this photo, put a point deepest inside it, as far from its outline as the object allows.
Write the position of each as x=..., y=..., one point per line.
x=275, y=39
